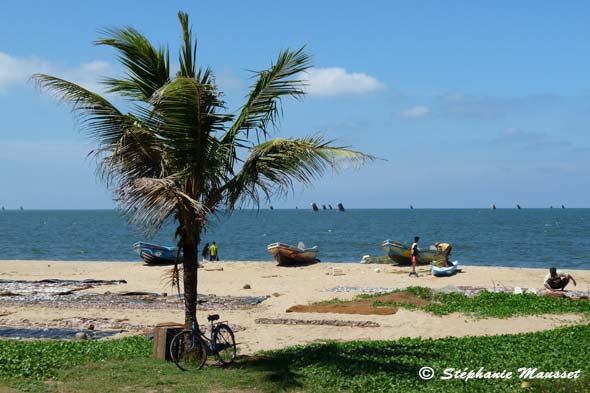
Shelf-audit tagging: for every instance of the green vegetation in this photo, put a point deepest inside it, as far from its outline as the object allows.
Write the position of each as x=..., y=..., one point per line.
x=382, y=366
x=41, y=359
x=332, y=301
x=485, y=304
x=503, y=305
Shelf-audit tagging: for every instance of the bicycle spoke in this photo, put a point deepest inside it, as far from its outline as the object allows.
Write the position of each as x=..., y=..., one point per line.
x=224, y=344
x=187, y=353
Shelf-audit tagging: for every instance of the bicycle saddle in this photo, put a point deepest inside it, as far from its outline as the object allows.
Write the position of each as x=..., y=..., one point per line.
x=213, y=317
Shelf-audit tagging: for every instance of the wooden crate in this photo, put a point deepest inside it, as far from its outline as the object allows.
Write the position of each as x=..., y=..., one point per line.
x=163, y=334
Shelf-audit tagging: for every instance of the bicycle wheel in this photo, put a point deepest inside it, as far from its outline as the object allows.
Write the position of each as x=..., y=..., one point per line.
x=188, y=358
x=224, y=344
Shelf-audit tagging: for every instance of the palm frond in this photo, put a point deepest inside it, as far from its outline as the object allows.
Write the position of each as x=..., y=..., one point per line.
x=101, y=119
x=188, y=53
x=263, y=106
x=138, y=153
x=187, y=122
x=149, y=202
x=148, y=68
x=274, y=166
x=173, y=277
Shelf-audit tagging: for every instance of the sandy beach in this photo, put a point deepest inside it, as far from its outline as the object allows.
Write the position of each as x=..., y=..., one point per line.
x=283, y=287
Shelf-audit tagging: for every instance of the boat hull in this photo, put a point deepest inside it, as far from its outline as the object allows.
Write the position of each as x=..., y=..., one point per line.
x=401, y=254
x=445, y=271
x=286, y=254
x=153, y=254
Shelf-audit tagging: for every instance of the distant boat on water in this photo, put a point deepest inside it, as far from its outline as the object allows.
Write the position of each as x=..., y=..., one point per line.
x=411, y=207
x=518, y=206
x=493, y=206
x=271, y=208
x=3, y=209
x=340, y=207
x=330, y=206
x=314, y=207
x=21, y=208
x=324, y=207
x=562, y=206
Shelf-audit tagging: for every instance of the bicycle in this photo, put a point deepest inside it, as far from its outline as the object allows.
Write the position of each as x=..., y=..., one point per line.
x=221, y=343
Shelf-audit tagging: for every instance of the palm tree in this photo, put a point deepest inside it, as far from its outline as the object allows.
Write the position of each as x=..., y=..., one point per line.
x=177, y=153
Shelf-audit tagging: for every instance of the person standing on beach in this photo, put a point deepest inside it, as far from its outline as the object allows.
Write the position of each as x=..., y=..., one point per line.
x=213, y=256
x=415, y=254
x=205, y=252
x=557, y=279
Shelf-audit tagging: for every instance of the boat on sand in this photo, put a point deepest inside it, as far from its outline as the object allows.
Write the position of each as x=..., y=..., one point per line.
x=153, y=254
x=443, y=271
x=286, y=254
x=400, y=253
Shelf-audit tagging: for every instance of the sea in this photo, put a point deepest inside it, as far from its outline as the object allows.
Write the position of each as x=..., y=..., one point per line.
x=504, y=237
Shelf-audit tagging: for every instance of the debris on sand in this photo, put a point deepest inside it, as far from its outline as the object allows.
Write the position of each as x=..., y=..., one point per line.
x=328, y=322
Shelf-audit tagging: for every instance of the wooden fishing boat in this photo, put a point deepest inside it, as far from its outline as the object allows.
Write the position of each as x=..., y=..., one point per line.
x=400, y=253
x=286, y=254
x=445, y=271
x=153, y=254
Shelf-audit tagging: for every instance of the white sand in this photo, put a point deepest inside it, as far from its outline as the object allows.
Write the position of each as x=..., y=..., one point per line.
x=298, y=285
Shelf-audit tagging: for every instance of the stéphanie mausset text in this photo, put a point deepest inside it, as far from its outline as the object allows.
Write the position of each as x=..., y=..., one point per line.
x=467, y=374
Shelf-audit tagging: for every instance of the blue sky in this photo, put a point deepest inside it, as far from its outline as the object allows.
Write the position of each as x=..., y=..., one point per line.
x=468, y=103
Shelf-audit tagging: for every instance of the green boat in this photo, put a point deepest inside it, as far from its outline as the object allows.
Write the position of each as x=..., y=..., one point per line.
x=400, y=253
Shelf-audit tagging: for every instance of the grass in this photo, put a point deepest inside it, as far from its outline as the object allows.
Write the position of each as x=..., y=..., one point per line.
x=503, y=305
x=41, y=359
x=381, y=366
x=486, y=304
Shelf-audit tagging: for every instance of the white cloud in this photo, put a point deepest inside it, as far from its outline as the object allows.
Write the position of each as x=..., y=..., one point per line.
x=88, y=74
x=415, y=112
x=336, y=81
x=16, y=71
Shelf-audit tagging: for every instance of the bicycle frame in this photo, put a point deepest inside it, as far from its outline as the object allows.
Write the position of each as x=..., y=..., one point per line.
x=209, y=341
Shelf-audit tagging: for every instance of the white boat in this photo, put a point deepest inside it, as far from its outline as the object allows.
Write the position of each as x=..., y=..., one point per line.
x=286, y=254
x=445, y=271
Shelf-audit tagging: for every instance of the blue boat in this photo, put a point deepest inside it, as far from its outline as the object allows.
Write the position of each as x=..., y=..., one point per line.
x=153, y=254
x=445, y=271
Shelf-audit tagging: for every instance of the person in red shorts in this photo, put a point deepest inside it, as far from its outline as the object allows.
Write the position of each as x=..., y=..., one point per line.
x=415, y=254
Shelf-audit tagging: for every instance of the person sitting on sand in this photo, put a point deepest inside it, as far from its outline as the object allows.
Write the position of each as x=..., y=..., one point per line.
x=415, y=254
x=557, y=279
x=445, y=250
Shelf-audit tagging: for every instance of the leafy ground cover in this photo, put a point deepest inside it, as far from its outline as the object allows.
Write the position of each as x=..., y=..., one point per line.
x=380, y=366
x=485, y=304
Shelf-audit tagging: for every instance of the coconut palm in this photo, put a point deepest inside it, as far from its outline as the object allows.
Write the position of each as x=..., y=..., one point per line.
x=177, y=153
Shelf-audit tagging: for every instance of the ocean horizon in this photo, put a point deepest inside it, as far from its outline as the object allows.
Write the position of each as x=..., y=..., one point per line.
x=530, y=237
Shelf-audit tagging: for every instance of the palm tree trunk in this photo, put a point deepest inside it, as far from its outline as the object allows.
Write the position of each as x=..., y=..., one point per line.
x=190, y=274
